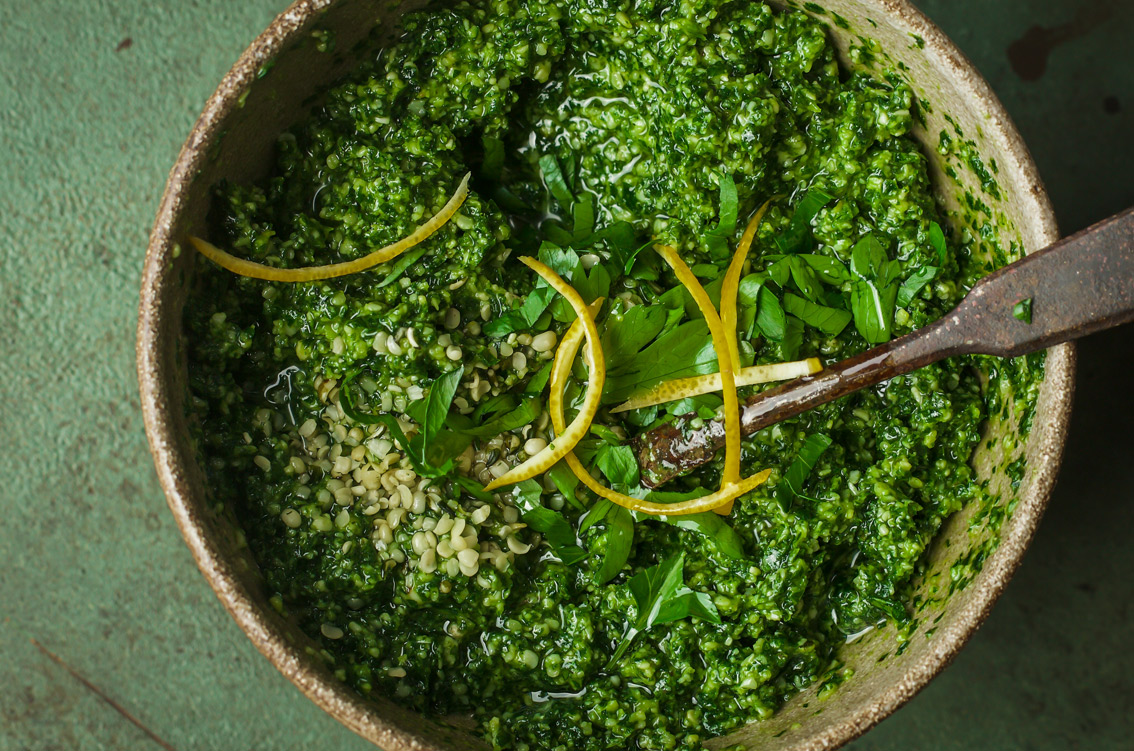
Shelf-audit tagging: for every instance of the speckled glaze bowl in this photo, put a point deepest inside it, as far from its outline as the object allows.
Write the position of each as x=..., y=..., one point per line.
x=270, y=87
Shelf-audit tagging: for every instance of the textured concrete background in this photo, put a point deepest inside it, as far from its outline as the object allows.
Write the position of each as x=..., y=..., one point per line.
x=95, y=99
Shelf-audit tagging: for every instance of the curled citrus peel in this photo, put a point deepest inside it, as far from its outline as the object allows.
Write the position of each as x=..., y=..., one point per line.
x=684, y=388
x=560, y=370
x=731, y=473
x=314, y=273
x=731, y=286
x=565, y=438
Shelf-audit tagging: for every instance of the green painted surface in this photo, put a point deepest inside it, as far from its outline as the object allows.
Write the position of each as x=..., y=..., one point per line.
x=94, y=568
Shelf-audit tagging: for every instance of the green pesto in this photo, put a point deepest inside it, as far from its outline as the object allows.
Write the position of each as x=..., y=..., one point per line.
x=645, y=107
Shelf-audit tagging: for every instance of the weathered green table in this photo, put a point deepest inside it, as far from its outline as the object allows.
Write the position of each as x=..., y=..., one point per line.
x=95, y=99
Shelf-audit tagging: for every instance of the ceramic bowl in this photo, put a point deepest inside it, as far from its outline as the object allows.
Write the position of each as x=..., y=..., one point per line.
x=269, y=89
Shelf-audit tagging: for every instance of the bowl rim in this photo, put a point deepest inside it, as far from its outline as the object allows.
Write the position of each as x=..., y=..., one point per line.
x=357, y=713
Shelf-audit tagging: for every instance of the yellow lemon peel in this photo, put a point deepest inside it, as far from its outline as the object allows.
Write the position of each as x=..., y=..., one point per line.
x=684, y=388
x=314, y=273
x=565, y=439
x=560, y=370
x=731, y=286
x=731, y=473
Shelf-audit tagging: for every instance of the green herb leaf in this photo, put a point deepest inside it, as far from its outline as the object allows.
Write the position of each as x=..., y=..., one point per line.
x=400, y=266
x=522, y=318
x=566, y=483
x=595, y=515
x=805, y=279
x=873, y=309
x=529, y=409
x=1022, y=311
x=771, y=319
x=474, y=488
x=792, y=483
x=792, y=340
x=583, y=218
x=937, y=241
x=830, y=270
x=798, y=238
x=830, y=321
x=686, y=603
x=915, y=283
x=625, y=333
x=437, y=403
x=661, y=597
x=551, y=524
x=749, y=288
x=555, y=181
x=870, y=262
x=718, y=237
x=685, y=351
x=619, y=464
x=539, y=380
x=618, y=540
x=714, y=528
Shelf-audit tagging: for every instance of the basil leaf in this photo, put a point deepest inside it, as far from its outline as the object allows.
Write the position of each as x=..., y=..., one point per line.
x=473, y=488
x=539, y=380
x=493, y=407
x=617, y=542
x=592, y=285
x=555, y=181
x=437, y=403
x=830, y=270
x=867, y=257
x=712, y=526
x=749, y=288
x=830, y=321
x=805, y=279
x=522, y=318
x=706, y=270
x=597, y=513
x=583, y=218
x=400, y=266
x=528, y=410
x=870, y=262
x=792, y=484
x=873, y=309
x=793, y=339
x=937, y=242
x=718, y=237
x=551, y=524
x=566, y=483
x=685, y=351
x=661, y=597
x=492, y=167
x=687, y=603
x=779, y=272
x=915, y=283
x=798, y=237
x=626, y=333
x=619, y=464
x=771, y=319
x=557, y=234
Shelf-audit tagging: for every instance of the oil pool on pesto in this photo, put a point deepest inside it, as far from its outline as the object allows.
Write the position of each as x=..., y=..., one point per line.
x=352, y=423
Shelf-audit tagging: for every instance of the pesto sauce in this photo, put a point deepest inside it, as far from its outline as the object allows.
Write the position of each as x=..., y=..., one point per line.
x=648, y=104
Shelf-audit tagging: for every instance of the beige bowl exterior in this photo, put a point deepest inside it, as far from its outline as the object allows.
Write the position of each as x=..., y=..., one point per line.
x=266, y=91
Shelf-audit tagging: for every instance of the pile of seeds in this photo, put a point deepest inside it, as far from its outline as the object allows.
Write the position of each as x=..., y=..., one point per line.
x=355, y=473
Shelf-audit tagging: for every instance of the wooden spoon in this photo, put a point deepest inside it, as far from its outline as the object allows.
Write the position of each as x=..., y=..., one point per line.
x=1079, y=285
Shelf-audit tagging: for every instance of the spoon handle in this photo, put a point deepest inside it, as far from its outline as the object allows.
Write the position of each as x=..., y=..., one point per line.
x=1079, y=285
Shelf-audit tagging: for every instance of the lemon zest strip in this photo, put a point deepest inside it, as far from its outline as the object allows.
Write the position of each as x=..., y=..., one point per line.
x=314, y=273
x=565, y=439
